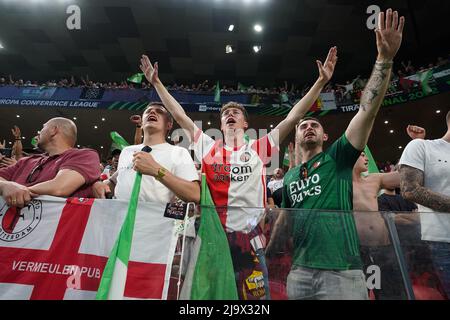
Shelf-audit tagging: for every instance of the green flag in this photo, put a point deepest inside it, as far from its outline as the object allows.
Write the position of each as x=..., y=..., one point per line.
x=34, y=142
x=373, y=168
x=136, y=78
x=112, y=284
x=217, y=93
x=213, y=275
x=424, y=78
x=118, y=140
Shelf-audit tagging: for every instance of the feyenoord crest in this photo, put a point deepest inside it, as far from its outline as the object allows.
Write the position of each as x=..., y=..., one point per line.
x=16, y=223
x=245, y=157
x=316, y=164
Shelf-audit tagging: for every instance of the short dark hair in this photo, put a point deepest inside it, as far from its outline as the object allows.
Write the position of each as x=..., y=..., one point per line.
x=309, y=118
x=235, y=105
x=159, y=104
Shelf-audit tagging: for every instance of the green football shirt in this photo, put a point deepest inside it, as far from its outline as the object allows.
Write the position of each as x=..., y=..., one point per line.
x=325, y=237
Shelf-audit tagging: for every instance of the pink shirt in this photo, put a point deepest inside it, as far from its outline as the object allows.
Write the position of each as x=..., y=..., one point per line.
x=35, y=169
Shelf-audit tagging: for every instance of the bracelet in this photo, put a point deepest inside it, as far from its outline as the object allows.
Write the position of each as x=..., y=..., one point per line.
x=388, y=63
x=161, y=174
x=18, y=139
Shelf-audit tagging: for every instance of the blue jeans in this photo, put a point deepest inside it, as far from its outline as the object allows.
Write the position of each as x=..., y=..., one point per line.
x=316, y=284
x=440, y=254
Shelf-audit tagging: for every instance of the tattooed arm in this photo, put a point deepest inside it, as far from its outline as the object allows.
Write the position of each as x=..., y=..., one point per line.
x=389, y=38
x=412, y=189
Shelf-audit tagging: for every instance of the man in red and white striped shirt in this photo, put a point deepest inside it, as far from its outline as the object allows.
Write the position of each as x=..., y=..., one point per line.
x=235, y=169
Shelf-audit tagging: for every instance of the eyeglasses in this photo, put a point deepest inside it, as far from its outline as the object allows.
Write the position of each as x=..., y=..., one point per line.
x=303, y=172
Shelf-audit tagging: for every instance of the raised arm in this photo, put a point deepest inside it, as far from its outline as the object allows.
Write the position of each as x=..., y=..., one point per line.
x=389, y=38
x=172, y=105
x=17, y=147
x=412, y=189
x=299, y=110
x=136, y=119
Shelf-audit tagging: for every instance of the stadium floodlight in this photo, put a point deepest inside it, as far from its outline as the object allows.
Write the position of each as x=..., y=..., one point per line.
x=438, y=111
x=231, y=27
x=228, y=48
x=257, y=49
x=392, y=131
x=257, y=28
x=386, y=122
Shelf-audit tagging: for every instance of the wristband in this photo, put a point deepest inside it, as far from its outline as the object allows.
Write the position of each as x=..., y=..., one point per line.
x=161, y=174
x=17, y=139
x=388, y=63
x=138, y=126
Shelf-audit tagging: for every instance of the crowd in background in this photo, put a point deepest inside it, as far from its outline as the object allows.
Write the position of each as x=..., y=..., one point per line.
x=351, y=89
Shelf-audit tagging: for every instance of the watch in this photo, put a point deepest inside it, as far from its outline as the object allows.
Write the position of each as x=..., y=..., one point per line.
x=161, y=174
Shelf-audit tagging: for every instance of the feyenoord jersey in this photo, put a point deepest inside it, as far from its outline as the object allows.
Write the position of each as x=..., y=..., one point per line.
x=236, y=178
x=324, y=239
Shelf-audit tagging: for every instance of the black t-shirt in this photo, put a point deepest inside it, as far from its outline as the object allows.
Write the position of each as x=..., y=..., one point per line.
x=387, y=202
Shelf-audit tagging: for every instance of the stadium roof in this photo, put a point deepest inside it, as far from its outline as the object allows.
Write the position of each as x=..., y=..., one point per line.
x=188, y=38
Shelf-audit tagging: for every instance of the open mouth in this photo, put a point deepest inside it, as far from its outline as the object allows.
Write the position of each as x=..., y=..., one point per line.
x=152, y=118
x=309, y=134
x=230, y=120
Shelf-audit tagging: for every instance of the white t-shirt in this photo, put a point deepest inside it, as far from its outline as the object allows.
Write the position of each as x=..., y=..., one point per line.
x=236, y=178
x=433, y=158
x=174, y=159
x=274, y=185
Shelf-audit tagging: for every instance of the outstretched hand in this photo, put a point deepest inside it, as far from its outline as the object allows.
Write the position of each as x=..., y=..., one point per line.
x=327, y=68
x=16, y=132
x=150, y=71
x=389, y=34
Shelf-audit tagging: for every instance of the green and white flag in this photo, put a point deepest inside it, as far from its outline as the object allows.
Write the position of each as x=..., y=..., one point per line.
x=424, y=78
x=373, y=168
x=241, y=87
x=210, y=274
x=118, y=141
x=217, y=93
x=136, y=78
x=286, y=159
x=112, y=285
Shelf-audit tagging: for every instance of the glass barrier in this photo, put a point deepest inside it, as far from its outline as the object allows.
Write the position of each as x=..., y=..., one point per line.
x=279, y=254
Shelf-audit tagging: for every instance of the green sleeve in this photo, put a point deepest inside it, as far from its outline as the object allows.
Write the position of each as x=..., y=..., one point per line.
x=343, y=153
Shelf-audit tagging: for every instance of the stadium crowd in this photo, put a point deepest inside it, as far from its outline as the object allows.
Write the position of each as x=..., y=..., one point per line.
x=351, y=90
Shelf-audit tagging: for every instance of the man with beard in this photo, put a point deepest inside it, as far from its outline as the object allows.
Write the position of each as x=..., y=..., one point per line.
x=63, y=171
x=326, y=262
